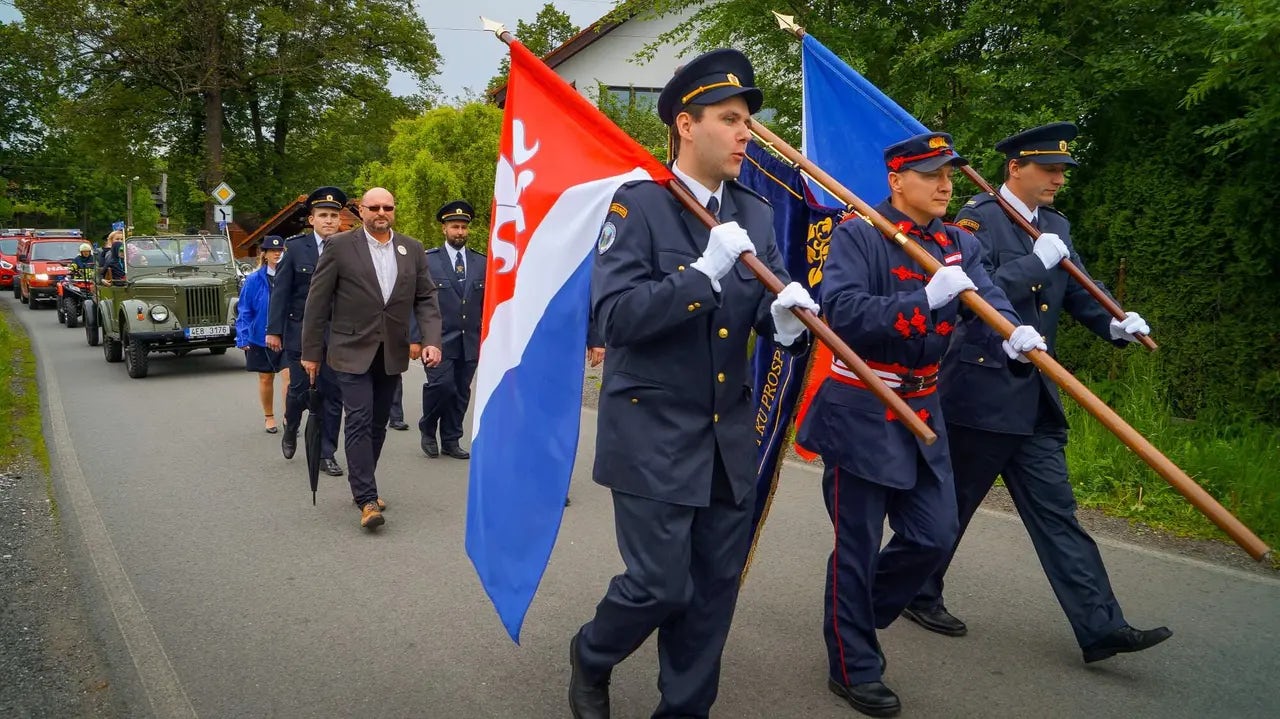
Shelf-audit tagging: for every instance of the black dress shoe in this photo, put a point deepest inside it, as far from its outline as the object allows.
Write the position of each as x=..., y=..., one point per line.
x=398, y=425
x=429, y=447
x=936, y=619
x=329, y=466
x=567, y=501
x=455, y=451
x=871, y=698
x=1125, y=639
x=289, y=442
x=586, y=700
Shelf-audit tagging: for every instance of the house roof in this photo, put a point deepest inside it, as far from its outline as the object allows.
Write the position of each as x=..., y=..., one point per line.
x=290, y=220
x=568, y=49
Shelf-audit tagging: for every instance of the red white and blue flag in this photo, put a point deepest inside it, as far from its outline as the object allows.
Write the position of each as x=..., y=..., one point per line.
x=560, y=162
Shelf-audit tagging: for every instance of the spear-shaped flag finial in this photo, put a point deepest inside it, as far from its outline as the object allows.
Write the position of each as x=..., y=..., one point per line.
x=788, y=23
x=493, y=26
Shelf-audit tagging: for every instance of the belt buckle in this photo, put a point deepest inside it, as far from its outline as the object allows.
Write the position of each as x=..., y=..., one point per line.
x=911, y=383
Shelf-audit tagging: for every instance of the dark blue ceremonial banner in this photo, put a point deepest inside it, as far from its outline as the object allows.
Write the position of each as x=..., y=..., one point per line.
x=802, y=230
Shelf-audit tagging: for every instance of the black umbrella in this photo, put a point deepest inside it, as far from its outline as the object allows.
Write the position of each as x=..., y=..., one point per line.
x=311, y=439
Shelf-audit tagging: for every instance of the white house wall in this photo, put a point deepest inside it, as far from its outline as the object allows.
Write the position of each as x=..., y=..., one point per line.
x=609, y=59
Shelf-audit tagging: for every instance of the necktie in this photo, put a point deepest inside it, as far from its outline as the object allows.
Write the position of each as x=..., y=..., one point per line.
x=713, y=206
x=459, y=268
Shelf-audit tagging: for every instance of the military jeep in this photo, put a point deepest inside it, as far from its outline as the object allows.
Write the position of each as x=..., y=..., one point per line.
x=163, y=294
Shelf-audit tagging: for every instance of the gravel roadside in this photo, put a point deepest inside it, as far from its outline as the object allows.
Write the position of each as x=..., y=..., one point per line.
x=52, y=666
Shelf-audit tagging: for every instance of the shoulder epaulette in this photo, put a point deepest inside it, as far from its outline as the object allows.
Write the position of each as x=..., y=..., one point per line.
x=979, y=199
x=291, y=238
x=1054, y=210
x=434, y=249
x=749, y=191
x=476, y=252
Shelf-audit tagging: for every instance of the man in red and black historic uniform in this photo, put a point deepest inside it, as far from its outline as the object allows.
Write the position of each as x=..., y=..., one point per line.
x=899, y=320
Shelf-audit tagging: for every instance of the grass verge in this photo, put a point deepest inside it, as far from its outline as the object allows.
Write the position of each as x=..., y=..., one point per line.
x=21, y=435
x=1237, y=461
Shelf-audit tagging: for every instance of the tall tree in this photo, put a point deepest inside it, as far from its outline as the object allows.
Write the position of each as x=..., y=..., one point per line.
x=549, y=29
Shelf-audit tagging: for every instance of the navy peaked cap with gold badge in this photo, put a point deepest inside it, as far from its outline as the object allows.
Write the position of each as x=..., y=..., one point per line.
x=456, y=210
x=710, y=78
x=1045, y=145
x=272, y=242
x=327, y=197
x=923, y=153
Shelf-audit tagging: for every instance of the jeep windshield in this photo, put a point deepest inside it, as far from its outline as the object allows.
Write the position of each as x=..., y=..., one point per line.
x=173, y=252
x=55, y=250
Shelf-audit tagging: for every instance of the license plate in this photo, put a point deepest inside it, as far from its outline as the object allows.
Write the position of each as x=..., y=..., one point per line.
x=211, y=331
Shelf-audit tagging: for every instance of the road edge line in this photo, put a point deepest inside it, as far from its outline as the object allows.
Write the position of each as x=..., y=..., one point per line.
x=159, y=680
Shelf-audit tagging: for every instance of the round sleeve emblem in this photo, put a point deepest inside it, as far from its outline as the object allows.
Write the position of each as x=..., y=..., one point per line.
x=608, y=234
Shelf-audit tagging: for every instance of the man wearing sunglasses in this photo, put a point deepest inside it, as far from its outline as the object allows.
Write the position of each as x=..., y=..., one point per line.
x=367, y=283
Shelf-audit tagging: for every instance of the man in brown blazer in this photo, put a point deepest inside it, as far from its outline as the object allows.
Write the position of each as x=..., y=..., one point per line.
x=367, y=282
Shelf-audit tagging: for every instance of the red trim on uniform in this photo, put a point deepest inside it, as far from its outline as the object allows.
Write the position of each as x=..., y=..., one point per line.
x=905, y=226
x=904, y=274
x=920, y=322
x=896, y=368
x=896, y=163
x=922, y=413
x=903, y=326
x=942, y=239
x=888, y=415
x=943, y=328
x=952, y=259
x=835, y=575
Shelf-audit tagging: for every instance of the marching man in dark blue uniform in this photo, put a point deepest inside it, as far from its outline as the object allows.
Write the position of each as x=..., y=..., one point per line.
x=284, y=325
x=459, y=272
x=1006, y=419
x=674, y=440
x=900, y=321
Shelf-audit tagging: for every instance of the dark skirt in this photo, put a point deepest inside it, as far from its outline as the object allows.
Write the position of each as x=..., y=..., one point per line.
x=262, y=360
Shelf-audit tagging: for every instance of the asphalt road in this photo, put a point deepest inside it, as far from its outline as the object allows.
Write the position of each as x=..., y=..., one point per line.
x=221, y=592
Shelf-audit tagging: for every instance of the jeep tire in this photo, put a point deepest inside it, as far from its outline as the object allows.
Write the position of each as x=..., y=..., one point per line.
x=217, y=350
x=91, y=333
x=111, y=348
x=135, y=357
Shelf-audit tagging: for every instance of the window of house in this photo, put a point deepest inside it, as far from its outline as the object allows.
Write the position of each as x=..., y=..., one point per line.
x=644, y=96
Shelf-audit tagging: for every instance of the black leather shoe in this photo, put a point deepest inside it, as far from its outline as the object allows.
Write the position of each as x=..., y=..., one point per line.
x=329, y=466
x=1125, y=639
x=289, y=442
x=455, y=451
x=567, y=501
x=871, y=698
x=398, y=425
x=429, y=447
x=586, y=700
x=937, y=619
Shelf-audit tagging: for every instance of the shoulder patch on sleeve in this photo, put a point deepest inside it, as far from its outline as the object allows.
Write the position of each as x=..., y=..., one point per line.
x=608, y=234
x=968, y=223
x=618, y=209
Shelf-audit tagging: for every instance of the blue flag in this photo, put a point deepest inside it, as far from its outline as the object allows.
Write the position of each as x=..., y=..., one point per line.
x=117, y=225
x=847, y=124
x=802, y=230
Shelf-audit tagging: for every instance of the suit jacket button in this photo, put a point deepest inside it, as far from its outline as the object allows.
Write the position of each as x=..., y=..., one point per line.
x=690, y=308
x=724, y=333
x=715, y=418
x=720, y=377
x=981, y=360
x=680, y=268
x=697, y=305
x=1044, y=308
x=635, y=401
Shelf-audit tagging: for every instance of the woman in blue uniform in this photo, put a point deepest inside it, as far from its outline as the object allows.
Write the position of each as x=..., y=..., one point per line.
x=251, y=328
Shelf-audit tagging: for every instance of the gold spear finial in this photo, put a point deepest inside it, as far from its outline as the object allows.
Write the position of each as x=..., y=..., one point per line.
x=788, y=23
x=493, y=26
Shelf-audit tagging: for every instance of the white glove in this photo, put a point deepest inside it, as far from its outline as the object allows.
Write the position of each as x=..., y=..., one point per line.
x=727, y=241
x=1024, y=338
x=1131, y=325
x=945, y=285
x=786, y=326
x=1051, y=250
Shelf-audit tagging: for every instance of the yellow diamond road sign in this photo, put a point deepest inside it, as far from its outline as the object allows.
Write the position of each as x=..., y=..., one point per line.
x=223, y=193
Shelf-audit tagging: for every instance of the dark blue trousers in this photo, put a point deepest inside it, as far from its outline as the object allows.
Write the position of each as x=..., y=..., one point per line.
x=366, y=398
x=868, y=587
x=445, y=396
x=1035, y=471
x=330, y=394
x=397, y=401
x=682, y=570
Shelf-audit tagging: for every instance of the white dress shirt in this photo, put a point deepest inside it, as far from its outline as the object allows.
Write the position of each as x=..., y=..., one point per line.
x=319, y=244
x=384, y=264
x=1028, y=214
x=698, y=189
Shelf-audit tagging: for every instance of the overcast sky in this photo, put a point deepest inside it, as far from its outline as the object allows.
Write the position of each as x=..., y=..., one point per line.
x=470, y=55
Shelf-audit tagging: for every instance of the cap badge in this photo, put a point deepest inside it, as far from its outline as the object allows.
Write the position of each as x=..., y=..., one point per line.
x=1062, y=145
x=733, y=80
x=937, y=143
